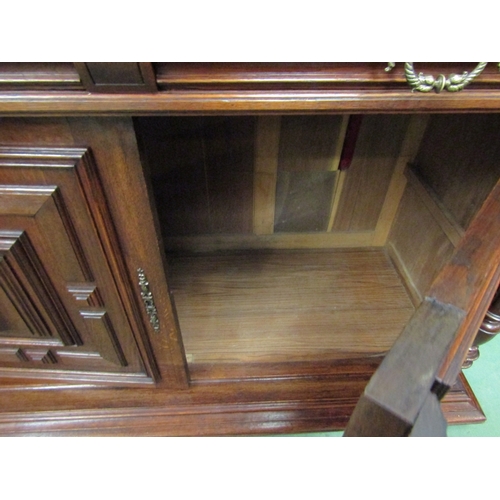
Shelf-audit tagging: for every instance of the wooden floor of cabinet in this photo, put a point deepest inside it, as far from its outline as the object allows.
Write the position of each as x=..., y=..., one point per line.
x=288, y=306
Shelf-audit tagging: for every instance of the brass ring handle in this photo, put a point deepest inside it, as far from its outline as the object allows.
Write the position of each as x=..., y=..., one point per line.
x=426, y=83
x=147, y=298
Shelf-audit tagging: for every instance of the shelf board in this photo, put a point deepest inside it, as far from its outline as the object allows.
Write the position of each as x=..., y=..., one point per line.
x=289, y=306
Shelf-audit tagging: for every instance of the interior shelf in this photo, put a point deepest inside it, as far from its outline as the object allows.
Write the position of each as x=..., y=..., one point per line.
x=308, y=239
x=288, y=306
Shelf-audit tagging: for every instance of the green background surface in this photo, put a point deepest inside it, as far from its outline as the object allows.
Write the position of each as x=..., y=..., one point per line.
x=484, y=379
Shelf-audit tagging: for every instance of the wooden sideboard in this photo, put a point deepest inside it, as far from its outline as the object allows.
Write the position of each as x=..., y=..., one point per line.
x=217, y=249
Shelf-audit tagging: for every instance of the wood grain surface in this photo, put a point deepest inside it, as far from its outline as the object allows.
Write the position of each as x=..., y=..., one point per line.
x=458, y=159
x=288, y=306
x=368, y=178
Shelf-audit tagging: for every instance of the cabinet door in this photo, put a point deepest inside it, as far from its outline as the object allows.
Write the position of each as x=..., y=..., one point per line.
x=61, y=312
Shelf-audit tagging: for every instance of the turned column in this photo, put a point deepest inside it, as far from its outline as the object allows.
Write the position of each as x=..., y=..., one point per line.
x=489, y=328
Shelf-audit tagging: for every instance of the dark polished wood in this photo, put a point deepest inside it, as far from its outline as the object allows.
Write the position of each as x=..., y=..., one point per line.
x=460, y=404
x=60, y=234
x=248, y=102
x=24, y=76
x=287, y=76
x=425, y=358
x=117, y=77
x=79, y=269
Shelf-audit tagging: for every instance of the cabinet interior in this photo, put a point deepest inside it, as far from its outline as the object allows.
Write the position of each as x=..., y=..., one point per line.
x=300, y=238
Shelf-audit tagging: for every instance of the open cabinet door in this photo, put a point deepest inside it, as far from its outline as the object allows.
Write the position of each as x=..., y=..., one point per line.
x=401, y=397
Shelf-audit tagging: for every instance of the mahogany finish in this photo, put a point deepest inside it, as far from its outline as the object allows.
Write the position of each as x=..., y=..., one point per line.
x=39, y=76
x=87, y=199
x=117, y=77
x=57, y=237
x=398, y=391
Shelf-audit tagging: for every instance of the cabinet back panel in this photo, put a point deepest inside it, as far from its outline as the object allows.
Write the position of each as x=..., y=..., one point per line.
x=367, y=180
x=303, y=201
x=261, y=178
x=202, y=173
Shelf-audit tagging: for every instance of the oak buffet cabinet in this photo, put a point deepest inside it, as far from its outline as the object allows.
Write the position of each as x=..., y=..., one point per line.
x=216, y=249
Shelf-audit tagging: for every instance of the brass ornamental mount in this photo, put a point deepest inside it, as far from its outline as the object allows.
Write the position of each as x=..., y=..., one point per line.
x=147, y=298
x=426, y=83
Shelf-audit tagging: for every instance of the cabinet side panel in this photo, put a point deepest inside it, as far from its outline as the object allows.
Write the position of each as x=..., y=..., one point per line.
x=417, y=244
x=458, y=159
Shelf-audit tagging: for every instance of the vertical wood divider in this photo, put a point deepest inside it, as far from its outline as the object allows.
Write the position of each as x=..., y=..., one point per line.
x=339, y=183
x=409, y=149
x=265, y=173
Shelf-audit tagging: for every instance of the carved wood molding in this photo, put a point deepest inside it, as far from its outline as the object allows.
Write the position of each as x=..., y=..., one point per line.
x=76, y=198
x=117, y=76
x=25, y=282
x=216, y=416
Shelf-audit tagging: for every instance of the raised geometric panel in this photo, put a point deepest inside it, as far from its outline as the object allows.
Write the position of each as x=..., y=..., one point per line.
x=45, y=356
x=30, y=292
x=12, y=355
x=62, y=276
x=104, y=335
x=86, y=293
x=23, y=200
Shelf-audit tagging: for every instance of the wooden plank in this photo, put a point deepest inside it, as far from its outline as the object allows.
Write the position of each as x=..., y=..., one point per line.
x=403, y=381
x=414, y=293
x=409, y=148
x=369, y=176
x=288, y=306
x=173, y=152
x=370, y=419
x=303, y=201
x=265, y=172
x=309, y=153
x=339, y=143
x=445, y=220
x=458, y=160
x=24, y=76
x=55, y=103
x=228, y=148
x=337, y=193
x=212, y=243
x=310, y=143
x=202, y=172
x=419, y=244
x=117, y=76
x=430, y=421
x=346, y=75
x=339, y=184
x=460, y=405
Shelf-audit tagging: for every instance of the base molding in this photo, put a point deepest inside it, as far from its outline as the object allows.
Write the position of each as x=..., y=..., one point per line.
x=219, y=409
x=460, y=405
